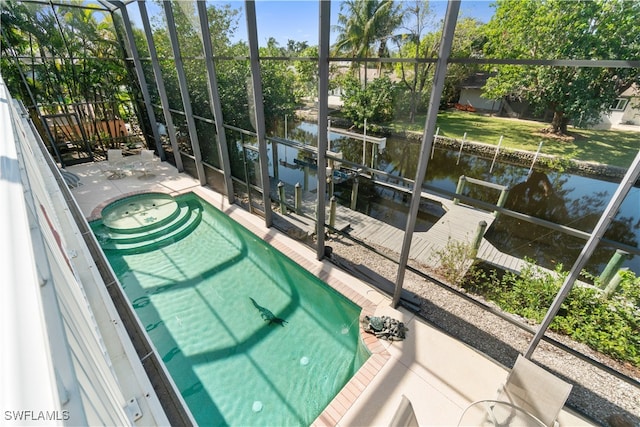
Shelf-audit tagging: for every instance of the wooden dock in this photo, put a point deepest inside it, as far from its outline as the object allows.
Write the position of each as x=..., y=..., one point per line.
x=458, y=224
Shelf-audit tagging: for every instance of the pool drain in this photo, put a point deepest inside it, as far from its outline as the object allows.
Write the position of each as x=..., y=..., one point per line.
x=257, y=406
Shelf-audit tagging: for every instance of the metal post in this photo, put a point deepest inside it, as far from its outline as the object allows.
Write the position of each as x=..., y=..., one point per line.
x=141, y=78
x=275, y=159
x=364, y=144
x=298, y=198
x=324, y=17
x=214, y=100
x=184, y=91
x=433, y=146
x=162, y=92
x=461, y=146
x=354, y=193
x=282, y=195
x=330, y=180
x=246, y=173
x=332, y=212
x=462, y=182
x=453, y=7
x=495, y=156
x=613, y=266
x=603, y=223
x=258, y=106
x=482, y=226
x=534, y=159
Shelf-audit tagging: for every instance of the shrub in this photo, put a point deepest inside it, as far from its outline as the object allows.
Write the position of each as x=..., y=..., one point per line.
x=611, y=326
x=608, y=325
x=532, y=291
x=373, y=102
x=455, y=260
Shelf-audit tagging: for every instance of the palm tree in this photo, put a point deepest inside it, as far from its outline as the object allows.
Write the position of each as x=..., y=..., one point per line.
x=362, y=24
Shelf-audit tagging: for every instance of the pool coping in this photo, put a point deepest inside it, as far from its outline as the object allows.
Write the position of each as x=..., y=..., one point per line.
x=353, y=389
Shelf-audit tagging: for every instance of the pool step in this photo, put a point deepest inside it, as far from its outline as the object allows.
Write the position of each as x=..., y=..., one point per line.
x=181, y=226
x=139, y=214
x=182, y=216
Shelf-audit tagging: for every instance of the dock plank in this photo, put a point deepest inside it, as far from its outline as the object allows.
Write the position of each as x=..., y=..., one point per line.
x=458, y=224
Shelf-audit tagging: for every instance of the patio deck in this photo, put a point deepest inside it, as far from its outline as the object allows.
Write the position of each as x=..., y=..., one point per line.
x=440, y=375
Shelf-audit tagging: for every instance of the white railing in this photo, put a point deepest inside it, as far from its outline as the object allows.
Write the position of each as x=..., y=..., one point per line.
x=55, y=364
x=26, y=368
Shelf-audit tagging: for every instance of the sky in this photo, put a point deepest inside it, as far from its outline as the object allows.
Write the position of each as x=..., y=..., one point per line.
x=298, y=19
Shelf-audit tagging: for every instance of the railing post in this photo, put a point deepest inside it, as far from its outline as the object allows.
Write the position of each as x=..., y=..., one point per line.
x=482, y=226
x=364, y=144
x=246, y=172
x=332, y=212
x=274, y=148
x=613, y=284
x=330, y=180
x=298, y=197
x=501, y=200
x=612, y=267
x=354, y=193
x=281, y=195
x=460, y=188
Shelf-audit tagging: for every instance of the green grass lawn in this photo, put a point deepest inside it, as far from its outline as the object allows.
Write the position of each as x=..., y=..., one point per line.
x=612, y=147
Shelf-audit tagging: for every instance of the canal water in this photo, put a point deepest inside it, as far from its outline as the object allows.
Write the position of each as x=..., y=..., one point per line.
x=563, y=198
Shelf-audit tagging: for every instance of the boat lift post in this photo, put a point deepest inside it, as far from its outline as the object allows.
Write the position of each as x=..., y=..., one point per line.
x=495, y=156
x=534, y=160
x=461, y=145
x=433, y=146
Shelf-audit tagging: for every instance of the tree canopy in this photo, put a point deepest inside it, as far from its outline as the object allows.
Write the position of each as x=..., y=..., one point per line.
x=363, y=23
x=65, y=60
x=74, y=55
x=556, y=29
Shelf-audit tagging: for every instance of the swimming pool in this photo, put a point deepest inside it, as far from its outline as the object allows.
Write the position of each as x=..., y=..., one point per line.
x=248, y=336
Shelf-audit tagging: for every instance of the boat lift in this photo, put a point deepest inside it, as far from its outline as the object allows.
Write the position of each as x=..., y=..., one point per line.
x=378, y=144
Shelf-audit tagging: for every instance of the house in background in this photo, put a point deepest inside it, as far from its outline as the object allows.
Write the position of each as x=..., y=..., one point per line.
x=624, y=112
x=471, y=90
x=471, y=95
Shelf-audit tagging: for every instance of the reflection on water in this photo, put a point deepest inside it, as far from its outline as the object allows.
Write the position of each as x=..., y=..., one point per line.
x=537, y=197
x=562, y=198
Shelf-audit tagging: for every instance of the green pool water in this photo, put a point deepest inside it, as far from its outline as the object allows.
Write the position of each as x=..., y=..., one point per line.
x=192, y=284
